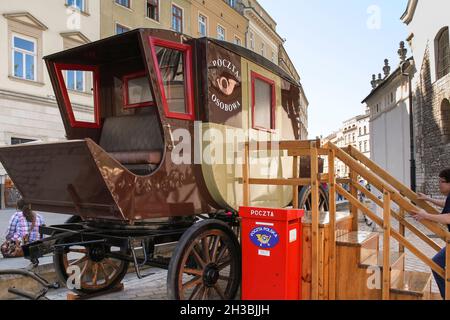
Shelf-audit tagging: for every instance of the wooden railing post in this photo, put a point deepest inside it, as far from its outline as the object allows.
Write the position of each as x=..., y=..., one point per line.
x=295, y=188
x=401, y=229
x=354, y=192
x=246, y=175
x=447, y=269
x=386, y=245
x=315, y=220
x=332, y=236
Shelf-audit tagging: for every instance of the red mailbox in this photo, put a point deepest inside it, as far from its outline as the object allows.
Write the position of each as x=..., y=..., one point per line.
x=271, y=253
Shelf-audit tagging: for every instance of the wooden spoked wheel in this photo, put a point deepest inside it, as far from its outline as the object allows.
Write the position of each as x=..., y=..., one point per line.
x=305, y=198
x=206, y=264
x=97, y=272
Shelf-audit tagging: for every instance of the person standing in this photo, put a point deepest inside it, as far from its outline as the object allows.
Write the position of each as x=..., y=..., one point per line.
x=444, y=218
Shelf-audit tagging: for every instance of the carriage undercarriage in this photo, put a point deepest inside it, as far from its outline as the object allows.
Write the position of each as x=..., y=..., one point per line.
x=204, y=265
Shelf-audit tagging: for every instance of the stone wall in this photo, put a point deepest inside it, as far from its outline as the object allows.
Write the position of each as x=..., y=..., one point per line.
x=432, y=147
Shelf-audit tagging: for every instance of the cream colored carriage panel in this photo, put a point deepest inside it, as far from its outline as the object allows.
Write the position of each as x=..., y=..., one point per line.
x=223, y=174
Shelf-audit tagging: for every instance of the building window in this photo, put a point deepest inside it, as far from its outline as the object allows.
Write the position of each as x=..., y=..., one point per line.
x=124, y=3
x=237, y=41
x=202, y=25
x=263, y=49
x=78, y=4
x=220, y=33
x=443, y=53
x=153, y=9
x=365, y=146
x=177, y=19
x=365, y=130
x=121, y=29
x=252, y=41
x=273, y=56
x=445, y=120
x=75, y=80
x=354, y=137
x=263, y=105
x=360, y=131
x=24, y=58
x=360, y=146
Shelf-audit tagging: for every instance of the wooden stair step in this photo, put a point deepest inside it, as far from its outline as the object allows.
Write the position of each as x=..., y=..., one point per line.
x=376, y=260
x=412, y=283
x=396, y=263
x=356, y=238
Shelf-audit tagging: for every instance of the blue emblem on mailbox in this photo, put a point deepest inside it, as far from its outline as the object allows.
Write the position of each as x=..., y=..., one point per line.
x=264, y=237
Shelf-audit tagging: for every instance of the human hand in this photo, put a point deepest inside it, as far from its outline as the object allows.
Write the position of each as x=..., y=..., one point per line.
x=421, y=196
x=419, y=215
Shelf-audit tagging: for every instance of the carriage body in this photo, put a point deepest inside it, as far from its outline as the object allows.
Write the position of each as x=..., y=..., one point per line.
x=150, y=86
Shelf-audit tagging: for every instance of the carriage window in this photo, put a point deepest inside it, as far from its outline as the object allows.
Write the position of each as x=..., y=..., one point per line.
x=172, y=73
x=137, y=92
x=78, y=85
x=175, y=72
x=263, y=93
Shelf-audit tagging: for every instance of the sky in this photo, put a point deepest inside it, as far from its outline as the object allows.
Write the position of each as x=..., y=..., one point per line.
x=336, y=45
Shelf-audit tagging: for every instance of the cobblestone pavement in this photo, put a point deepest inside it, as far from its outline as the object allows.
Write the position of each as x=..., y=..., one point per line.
x=154, y=286
x=150, y=288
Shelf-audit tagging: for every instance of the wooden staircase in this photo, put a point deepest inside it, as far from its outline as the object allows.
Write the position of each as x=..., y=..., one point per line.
x=360, y=270
x=355, y=266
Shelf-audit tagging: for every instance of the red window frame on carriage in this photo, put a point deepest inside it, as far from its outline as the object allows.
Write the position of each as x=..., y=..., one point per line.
x=258, y=105
x=59, y=68
x=165, y=89
x=127, y=104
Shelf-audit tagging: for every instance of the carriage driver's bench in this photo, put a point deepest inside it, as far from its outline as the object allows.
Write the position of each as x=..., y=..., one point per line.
x=135, y=141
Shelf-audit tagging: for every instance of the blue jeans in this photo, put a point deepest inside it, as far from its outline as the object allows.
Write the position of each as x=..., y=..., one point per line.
x=440, y=260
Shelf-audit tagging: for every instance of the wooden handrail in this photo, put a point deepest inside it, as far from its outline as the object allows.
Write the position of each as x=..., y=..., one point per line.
x=434, y=266
x=380, y=184
x=400, y=219
x=404, y=190
x=281, y=145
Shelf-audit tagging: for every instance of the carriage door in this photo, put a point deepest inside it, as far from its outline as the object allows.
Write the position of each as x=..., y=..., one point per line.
x=174, y=71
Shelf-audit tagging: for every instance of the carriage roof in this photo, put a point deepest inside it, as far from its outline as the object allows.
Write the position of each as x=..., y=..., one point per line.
x=129, y=43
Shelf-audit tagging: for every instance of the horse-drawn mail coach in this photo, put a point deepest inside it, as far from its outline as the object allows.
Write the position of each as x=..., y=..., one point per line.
x=128, y=103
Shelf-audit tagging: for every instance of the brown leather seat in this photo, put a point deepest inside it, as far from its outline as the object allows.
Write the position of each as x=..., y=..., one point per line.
x=135, y=141
x=138, y=157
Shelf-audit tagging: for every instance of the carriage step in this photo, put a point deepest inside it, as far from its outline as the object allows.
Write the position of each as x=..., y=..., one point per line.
x=412, y=284
x=136, y=245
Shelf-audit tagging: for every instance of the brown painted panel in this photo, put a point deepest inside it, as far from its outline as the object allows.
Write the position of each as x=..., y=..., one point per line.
x=224, y=86
x=58, y=177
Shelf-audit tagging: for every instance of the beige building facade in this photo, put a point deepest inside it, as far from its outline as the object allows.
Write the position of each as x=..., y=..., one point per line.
x=118, y=16
x=31, y=30
x=34, y=29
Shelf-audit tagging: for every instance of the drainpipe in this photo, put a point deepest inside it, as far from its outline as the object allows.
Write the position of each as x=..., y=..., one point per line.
x=411, y=129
